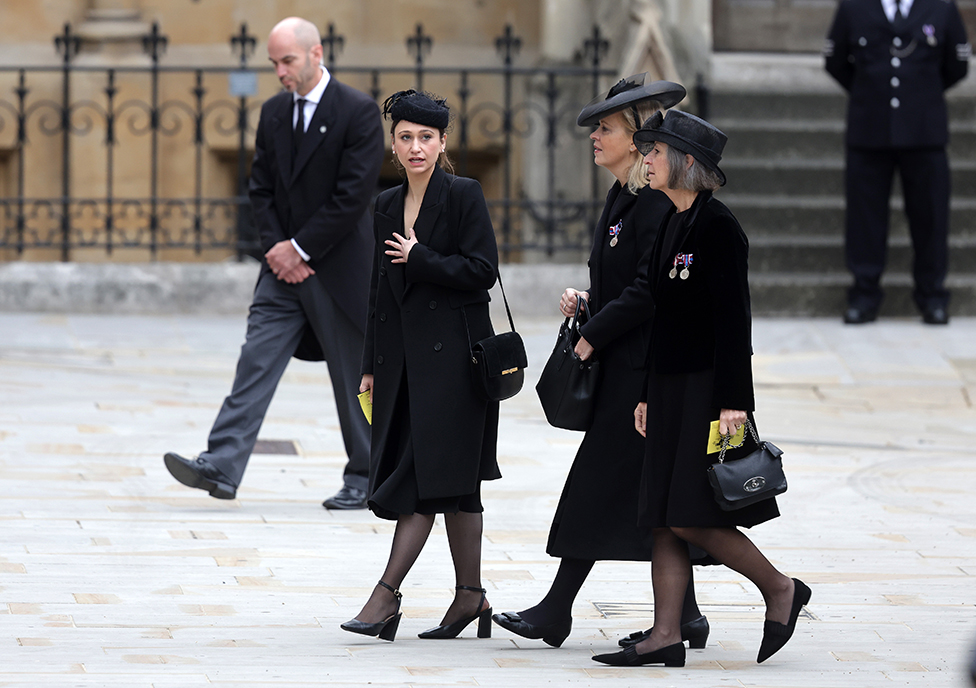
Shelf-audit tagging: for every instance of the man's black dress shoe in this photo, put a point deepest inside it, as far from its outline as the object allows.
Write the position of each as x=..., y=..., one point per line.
x=776, y=635
x=671, y=656
x=346, y=498
x=695, y=633
x=856, y=315
x=553, y=634
x=201, y=474
x=935, y=316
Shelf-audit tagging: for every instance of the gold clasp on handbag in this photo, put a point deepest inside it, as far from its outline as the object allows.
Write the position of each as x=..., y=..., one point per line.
x=510, y=370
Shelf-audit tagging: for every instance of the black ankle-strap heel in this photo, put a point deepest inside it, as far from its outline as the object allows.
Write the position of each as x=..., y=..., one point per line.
x=453, y=629
x=384, y=630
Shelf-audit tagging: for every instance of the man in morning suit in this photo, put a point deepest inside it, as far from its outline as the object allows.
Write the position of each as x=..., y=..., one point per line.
x=896, y=58
x=317, y=158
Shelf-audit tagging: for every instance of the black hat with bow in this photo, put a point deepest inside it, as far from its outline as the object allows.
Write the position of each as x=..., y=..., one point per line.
x=687, y=133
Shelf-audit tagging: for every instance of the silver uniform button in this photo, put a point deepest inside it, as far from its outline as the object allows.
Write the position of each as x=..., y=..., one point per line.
x=895, y=82
x=895, y=62
x=895, y=103
x=897, y=42
x=862, y=41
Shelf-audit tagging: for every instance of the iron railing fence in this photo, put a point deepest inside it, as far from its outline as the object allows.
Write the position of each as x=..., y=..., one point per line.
x=153, y=160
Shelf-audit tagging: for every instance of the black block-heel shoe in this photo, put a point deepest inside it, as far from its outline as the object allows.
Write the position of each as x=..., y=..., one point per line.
x=695, y=633
x=384, y=630
x=451, y=630
x=776, y=635
x=553, y=634
x=669, y=656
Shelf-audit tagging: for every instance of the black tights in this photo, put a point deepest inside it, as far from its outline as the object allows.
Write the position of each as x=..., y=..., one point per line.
x=464, y=537
x=557, y=605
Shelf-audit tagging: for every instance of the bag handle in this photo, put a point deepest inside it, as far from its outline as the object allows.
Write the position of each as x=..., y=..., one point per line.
x=727, y=439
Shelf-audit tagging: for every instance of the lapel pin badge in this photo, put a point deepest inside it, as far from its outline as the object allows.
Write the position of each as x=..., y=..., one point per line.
x=322, y=129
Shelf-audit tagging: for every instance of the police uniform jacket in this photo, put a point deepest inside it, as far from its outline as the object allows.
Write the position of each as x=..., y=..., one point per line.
x=705, y=321
x=896, y=72
x=421, y=316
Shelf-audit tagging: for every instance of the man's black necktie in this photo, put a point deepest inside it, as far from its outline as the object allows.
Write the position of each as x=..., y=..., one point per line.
x=299, y=132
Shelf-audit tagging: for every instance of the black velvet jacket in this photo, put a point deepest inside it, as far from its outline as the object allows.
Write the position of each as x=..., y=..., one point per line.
x=705, y=321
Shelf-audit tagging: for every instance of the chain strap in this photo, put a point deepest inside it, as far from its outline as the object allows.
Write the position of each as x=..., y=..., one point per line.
x=727, y=439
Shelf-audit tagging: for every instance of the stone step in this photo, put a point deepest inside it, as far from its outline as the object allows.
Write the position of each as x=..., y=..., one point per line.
x=798, y=294
x=769, y=215
x=807, y=106
x=817, y=177
x=826, y=254
x=812, y=140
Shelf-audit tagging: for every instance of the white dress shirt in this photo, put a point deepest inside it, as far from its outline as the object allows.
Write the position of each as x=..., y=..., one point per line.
x=890, y=6
x=312, y=99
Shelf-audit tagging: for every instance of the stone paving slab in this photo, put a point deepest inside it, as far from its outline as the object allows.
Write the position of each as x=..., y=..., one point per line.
x=111, y=574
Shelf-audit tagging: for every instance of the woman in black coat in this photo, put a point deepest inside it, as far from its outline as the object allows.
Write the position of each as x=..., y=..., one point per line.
x=699, y=370
x=433, y=436
x=596, y=518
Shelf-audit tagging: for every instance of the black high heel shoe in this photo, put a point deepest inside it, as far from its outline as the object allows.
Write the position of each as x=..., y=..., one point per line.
x=451, y=630
x=776, y=635
x=553, y=634
x=695, y=633
x=384, y=630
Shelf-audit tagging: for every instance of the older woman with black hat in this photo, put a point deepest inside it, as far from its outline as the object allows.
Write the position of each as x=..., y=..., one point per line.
x=699, y=370
x=433, y=435
x=596, y=518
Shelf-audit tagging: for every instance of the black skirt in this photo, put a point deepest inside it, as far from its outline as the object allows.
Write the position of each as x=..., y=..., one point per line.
x=675, y=491
x=395, y=489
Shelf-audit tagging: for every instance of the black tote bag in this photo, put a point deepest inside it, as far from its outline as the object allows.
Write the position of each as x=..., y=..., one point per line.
x=567, y=386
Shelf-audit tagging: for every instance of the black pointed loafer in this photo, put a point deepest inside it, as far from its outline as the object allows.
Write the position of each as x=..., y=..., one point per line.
x=201, y=474
x=856, y=315
x=669, y=656
x=776, y=635
x=551, y=634
x=935, y=316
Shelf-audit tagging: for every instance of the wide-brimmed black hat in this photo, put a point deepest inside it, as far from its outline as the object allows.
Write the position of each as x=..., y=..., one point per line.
x=687, y=133
x=418, y=107
x=628, y=92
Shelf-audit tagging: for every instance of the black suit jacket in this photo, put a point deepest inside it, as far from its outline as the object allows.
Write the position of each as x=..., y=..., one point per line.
x=705, y=322
x=897, y=73
x=320, y=198
x=416, y=328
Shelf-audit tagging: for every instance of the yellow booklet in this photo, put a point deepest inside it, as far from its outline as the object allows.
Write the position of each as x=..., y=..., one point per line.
x=367, y=406
x=715, y=438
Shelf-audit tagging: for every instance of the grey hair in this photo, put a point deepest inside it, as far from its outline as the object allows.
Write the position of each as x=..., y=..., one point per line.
x=634, y=117
x=695, y=178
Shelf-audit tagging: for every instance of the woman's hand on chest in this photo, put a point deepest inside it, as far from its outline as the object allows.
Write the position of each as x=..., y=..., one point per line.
x=399, y=246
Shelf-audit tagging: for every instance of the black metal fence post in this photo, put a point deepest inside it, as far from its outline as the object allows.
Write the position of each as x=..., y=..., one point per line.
x=335, y=43
x=247, y=239
x=154, y=44
x=21, y=92
x=596, y=46
x=507, y=46
x=419, y=44
x=198, y=140
x=110, y=92
x=67, y=44
x=463, y=94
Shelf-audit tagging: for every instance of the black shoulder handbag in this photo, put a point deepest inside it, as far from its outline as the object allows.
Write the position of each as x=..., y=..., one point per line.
x=567, y=386
x=498, y=362
x=748, y=480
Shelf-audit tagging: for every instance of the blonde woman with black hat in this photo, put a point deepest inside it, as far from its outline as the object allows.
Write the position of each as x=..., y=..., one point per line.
x=699, y=370
x=433, y=435
x=596, y=518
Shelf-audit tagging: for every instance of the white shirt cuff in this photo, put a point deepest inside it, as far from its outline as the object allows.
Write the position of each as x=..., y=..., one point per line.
x=302, y=253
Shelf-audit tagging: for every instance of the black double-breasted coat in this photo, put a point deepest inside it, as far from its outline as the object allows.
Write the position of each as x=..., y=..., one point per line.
x=416, y=334
x=597, y=513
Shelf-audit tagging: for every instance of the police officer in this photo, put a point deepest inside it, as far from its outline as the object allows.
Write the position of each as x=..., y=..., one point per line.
x=896, y=58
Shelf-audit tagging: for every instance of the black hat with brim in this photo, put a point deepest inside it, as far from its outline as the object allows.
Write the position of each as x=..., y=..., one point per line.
x=687, y=133
x=629, y=92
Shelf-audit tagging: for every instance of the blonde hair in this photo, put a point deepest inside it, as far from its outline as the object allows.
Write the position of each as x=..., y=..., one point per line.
x=637, y=177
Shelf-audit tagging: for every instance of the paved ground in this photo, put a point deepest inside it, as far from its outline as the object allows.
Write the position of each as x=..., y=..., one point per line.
x=111, y=574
